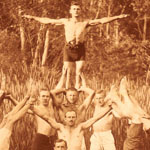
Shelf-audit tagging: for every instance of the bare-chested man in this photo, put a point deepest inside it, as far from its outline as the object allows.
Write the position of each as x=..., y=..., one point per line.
x=71, y=131
x=72, y=102
x=129, y=108
x=44, y=131
x=6, y=126
x=102, y=138
x=75, y=28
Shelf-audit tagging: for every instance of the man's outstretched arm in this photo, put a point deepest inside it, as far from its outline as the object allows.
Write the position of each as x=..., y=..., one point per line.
x=92, y=120
x=106, y=19
x=48, y=119
x=46, y=20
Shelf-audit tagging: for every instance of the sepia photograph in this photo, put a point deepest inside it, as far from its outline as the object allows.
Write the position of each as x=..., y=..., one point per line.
x=74, y=75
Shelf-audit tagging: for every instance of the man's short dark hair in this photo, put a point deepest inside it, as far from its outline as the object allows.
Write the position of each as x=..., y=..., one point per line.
x=103, y=92
x=75, y=3
x=59, y=141
x=70, y=110
x=71, y=89
x=44, y=89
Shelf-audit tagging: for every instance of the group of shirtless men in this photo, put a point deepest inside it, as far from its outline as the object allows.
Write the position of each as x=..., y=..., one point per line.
x=66, y=116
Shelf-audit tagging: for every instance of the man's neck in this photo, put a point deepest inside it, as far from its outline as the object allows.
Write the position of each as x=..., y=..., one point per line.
x=76, y=18
x=46, y=107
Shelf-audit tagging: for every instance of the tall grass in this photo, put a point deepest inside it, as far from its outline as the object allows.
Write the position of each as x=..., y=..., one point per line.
x=31, y=80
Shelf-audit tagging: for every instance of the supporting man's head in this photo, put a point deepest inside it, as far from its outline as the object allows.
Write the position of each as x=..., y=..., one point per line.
x=72, y=95
x=70, y=117
x=60, y=144
x=75, y=9
x=99, y=97
x=44, y=96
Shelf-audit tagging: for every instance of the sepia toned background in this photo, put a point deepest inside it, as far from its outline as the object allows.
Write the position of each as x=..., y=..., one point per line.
x=33, y=51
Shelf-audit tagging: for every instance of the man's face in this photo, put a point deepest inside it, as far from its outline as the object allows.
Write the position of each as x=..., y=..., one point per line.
x=75, y=10
x=70, y=118
x=44, y=97
x=60, y=146
x=99, y=99
x=72, y=96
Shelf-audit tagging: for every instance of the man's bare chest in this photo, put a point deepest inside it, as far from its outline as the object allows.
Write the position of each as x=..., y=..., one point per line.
x=76, y=27
x=70, y=133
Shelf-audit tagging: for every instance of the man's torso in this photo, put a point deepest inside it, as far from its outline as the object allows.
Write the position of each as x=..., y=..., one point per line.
x=73, y=136
x=103, y=124
x=75, y=31
x=42, y=126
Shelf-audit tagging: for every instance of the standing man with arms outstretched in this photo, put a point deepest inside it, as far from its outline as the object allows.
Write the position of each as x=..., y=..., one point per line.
x=74, y=51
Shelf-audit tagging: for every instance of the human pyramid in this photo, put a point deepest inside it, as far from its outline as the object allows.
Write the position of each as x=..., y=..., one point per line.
x=66, y=116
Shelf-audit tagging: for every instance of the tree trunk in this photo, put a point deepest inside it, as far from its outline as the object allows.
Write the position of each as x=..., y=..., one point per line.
x=144, y=27
x=36, y=60
x=46, y=46
x=107, y=25
x=22, y=33
x=116, y=33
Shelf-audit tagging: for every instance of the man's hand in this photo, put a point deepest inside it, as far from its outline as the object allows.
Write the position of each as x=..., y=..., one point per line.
x=31, y=100
x=123, y=16
x=28, y=16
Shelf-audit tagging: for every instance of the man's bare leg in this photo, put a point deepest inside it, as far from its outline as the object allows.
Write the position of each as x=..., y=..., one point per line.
x=62, y=78
x=69, y=67
x=79, y=74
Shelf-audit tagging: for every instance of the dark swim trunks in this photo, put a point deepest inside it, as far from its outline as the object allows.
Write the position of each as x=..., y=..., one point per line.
x=74, y=52
x=42, y=142
x=134, y=136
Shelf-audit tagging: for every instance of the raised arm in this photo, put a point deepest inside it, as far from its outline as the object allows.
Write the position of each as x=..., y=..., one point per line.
x=92, y=120
x=88, y=100
x=46, y=20
x=2, y=96
x=15, y=102
x=106, y=19
x=57, y=101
